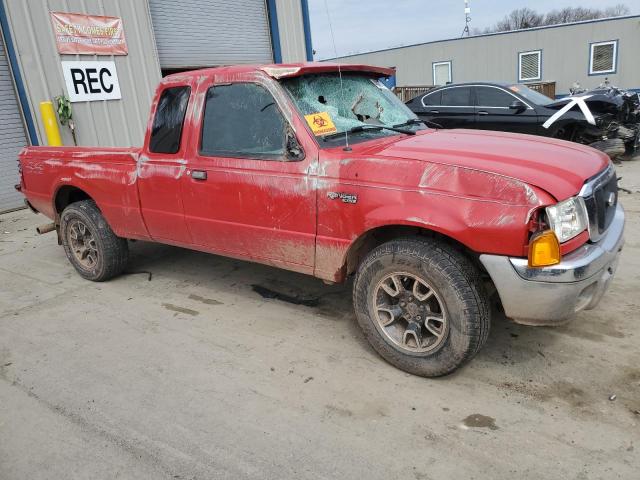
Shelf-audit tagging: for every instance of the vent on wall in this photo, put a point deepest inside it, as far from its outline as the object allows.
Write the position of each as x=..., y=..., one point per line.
x=603, y=57
x=529, y=66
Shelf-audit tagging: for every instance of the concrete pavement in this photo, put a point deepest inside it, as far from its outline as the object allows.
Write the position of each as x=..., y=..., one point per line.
x=195, y=375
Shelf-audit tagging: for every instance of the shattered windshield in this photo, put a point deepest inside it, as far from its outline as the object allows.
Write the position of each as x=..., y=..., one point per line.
x=330, y=109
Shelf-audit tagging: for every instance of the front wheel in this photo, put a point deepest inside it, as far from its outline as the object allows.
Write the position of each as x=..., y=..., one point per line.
x=91, y=246
x=421, y=305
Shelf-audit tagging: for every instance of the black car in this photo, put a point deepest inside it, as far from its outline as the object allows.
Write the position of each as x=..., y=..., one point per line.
x=517, y=108
x=488, y=106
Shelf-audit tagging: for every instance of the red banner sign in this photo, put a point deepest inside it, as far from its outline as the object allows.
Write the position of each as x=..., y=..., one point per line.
x=88, y=34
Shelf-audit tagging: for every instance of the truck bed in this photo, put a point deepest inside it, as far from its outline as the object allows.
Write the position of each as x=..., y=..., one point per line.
x=108, y=173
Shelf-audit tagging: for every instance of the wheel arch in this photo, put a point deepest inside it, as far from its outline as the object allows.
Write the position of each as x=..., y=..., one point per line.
x=378, y=235
x=65, y=195
x=570, y=129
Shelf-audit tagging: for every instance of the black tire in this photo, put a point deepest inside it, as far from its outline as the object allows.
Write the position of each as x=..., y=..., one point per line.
x=457, y=284
x=110, y=251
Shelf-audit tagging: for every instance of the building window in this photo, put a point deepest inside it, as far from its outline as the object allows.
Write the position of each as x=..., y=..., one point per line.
x=530, y=66
x=441, y=73
x=603, y=57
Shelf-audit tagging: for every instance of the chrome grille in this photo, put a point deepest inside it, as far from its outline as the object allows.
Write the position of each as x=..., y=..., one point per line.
x=600, y=194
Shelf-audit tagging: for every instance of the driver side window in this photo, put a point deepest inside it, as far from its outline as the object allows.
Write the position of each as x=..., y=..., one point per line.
x=243, y=120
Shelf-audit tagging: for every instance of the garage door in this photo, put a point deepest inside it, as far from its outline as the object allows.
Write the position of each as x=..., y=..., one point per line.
x=202, y=33
x=12, y=137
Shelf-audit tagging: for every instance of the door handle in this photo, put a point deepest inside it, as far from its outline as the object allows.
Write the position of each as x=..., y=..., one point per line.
x=482, y=112
x=434, y=111
x=199, y=174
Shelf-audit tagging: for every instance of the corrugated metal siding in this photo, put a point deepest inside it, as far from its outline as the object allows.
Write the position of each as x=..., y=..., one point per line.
x=292, y=41
x=211, y=32
x=104, y=123
x=565, y=55
x=12, y=137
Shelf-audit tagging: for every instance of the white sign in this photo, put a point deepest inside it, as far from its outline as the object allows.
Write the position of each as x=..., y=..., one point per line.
x=91, y=81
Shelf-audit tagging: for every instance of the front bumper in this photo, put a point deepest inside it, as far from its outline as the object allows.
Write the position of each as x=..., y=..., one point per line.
x=552, y=295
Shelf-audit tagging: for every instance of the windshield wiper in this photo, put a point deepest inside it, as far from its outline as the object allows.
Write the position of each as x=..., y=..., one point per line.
x=415, y=121
x=369, y=128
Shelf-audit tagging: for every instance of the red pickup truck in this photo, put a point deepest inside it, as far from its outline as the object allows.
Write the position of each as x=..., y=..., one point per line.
x=320, y=169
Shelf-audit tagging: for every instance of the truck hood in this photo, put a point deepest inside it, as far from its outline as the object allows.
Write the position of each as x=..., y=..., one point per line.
x=556, y=166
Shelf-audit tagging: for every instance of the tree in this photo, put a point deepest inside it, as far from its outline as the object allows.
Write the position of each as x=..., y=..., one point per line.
x=617, y=11
x=571, y=14
x=519, y=19
x=528, y=18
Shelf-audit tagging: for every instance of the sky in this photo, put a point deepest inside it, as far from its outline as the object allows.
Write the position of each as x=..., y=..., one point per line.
x=367, y=25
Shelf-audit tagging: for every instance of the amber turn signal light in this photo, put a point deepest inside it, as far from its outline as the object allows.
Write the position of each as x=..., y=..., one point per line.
x=544, y=249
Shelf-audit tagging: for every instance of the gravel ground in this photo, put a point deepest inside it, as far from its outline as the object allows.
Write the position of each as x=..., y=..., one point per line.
x=194, y=374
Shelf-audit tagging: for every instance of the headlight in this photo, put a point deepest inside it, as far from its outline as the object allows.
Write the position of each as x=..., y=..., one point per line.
x=567, y=219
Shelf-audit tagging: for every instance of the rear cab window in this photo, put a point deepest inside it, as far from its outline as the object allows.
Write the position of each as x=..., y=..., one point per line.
x=166, y=130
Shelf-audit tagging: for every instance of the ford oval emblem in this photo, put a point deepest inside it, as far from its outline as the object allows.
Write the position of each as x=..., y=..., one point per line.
x=611, y=199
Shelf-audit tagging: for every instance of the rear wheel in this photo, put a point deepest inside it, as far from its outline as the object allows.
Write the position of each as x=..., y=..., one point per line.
x=421, y=305
x=91, y=246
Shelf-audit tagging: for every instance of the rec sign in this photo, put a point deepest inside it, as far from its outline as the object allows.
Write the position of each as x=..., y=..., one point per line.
x=90, y=81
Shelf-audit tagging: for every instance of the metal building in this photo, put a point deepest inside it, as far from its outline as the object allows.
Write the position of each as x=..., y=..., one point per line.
x=162, y=36
x=585, y=52
x=12, y=135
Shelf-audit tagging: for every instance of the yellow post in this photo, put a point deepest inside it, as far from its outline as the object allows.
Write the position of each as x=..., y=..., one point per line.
x=50, y=124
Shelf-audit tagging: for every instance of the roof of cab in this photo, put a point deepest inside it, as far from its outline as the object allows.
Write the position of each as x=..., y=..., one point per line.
x=284, y=70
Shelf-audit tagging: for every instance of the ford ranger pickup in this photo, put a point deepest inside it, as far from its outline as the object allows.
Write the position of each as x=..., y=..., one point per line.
x=318, y=168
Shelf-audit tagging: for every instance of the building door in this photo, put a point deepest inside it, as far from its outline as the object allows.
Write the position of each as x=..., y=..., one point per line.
x=12, y=137
x=204, y=33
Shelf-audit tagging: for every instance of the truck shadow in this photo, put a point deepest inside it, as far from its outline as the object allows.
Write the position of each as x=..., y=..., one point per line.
x=508, y=343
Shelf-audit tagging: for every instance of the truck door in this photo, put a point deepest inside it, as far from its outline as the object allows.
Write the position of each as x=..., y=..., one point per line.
x=160, y=167
x=244, y=193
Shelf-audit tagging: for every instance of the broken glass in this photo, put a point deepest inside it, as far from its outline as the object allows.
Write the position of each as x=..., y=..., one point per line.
x=352, y=101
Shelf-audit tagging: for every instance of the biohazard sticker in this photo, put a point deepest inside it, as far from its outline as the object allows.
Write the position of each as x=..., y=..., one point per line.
x=320, y=123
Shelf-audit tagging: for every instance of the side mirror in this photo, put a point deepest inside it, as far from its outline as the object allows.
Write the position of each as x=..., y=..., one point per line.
x=518, y=106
